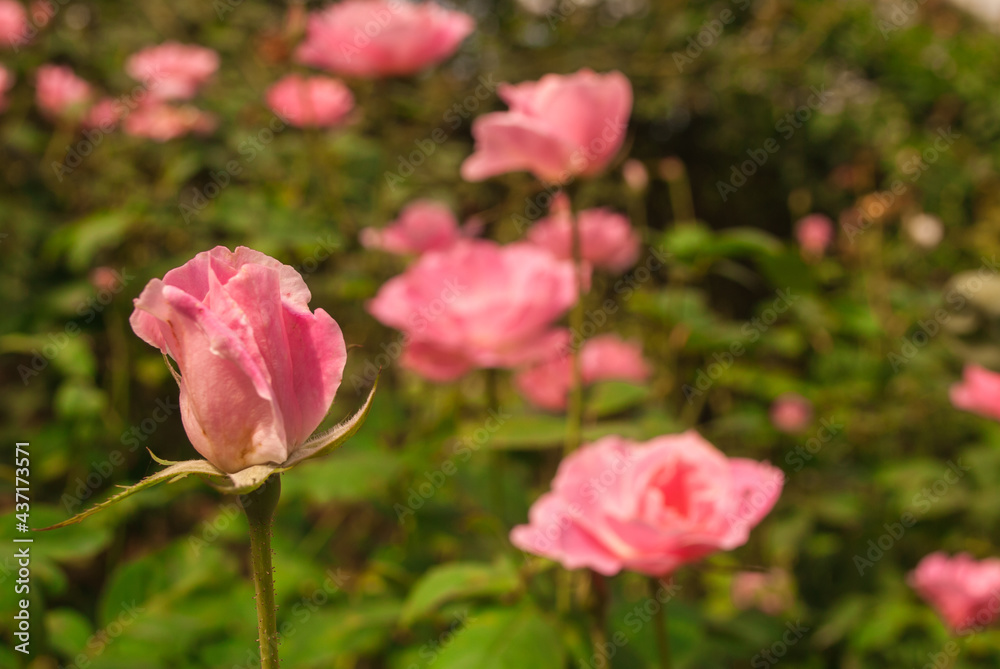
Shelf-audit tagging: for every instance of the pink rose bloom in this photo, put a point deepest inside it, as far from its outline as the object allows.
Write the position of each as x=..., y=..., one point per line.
x=771, y=591
x=13, y=24
x=173, y=71
x=965, y=592
x=814, y=234
x=258, y=370
x=603, y=358
x=979, y=392
x=316, y=102
x=6, y=81
x=558, y=127
x=607, y=239
x=791, y=413
x=381, y=38
x=163, y=122
x=103, y=115
x=422, y=226
x=648, y=507
x=60, y=93
x=477, y=304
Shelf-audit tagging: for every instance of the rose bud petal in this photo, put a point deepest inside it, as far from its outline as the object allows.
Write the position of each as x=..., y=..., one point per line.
x=965, y=592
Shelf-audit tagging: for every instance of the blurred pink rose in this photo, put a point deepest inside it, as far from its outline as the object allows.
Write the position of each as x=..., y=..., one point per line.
x=979, y=392
x=42, y=12
x=172, y=71
x=771, y=591
x=103, y=115
x=380, y=38
x=162, y=122
x=477, y=304
x=791, y=412
x=965, y=592
x=423, y=225
x=607, y=239
x=635, y=174
x=316, y=102
x=258, y=370
x=13, y=24
x=557, y=127
x=814, y=234
x=6, y=81
x=60, y=94
x=648, y=507
x=603, y=358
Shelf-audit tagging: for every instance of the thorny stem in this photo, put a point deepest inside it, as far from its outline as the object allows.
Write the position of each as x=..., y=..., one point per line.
x=259, y=506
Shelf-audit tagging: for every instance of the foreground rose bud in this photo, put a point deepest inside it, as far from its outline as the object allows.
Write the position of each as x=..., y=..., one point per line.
x=380, y=38
x=60, y=93
x=172, y=71
x=791, y=413
x=648, y=507
x=603, y=358
x=979, y=392
x=558, y=127
x=422, y=226
x=814, y=234
x=964, y=592
x=258, y=370
x=162, y=122
x=13, y=24
x=476, y=305
x=607, y=239
x=6, y=81
x=310, y=102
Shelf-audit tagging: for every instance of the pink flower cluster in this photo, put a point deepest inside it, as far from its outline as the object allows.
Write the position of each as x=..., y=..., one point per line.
x=965, y=592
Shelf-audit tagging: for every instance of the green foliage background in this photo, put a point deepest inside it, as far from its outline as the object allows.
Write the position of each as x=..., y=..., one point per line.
x=160, y=581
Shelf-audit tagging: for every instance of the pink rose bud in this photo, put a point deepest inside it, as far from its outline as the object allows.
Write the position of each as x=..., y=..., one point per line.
x=13, y=24
x=607, y=239
x=477, y=304
x=603, y=358
x=814, y=234
x=6, y=81
x=105, y=278
x=310, y=102
x=979, y=392
x=162, y=122
x=381, y=38
x=422, y=226
x=558, y=127
x=661, y=504
x=635, y=174
x=60, y=94
x=172, y=71
x=258, y=369
x=965, y=592
x=791, y=413
x=770, y=592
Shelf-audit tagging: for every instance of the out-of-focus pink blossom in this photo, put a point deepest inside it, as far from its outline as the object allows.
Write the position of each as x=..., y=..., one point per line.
x=61, y=94
x=770, y=591
x=635, y=174
x=42, y=12
x=13, y=24
x=660, y=504
x=423, y=225
x=314, y=102
x=380, y=38
x=607, y=239
x=6, y=81
x=814, y=234
x=172, y=71
x=558, y=127
x=258, y=369
x=603, y=358
x=162, y=122
x=965, y=592
x=979, y=392
x=791, y=412
x=104, y=115
x=478, y=304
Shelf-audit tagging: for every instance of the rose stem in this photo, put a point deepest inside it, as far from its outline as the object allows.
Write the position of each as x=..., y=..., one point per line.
x=259, y=506
x=660, y=623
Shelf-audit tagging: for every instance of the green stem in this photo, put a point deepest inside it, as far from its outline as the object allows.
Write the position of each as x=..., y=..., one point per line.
x=599, y=609
x=259, y=506
x=660, y=623
x=574, y=414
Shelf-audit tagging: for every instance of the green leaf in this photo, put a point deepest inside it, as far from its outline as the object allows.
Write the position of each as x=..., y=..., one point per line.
x=611, y=397
x=456, y=580
x=68, y=630
x=512, y=638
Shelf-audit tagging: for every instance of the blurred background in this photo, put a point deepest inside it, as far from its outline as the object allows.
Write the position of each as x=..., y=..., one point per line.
x=886, y=118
